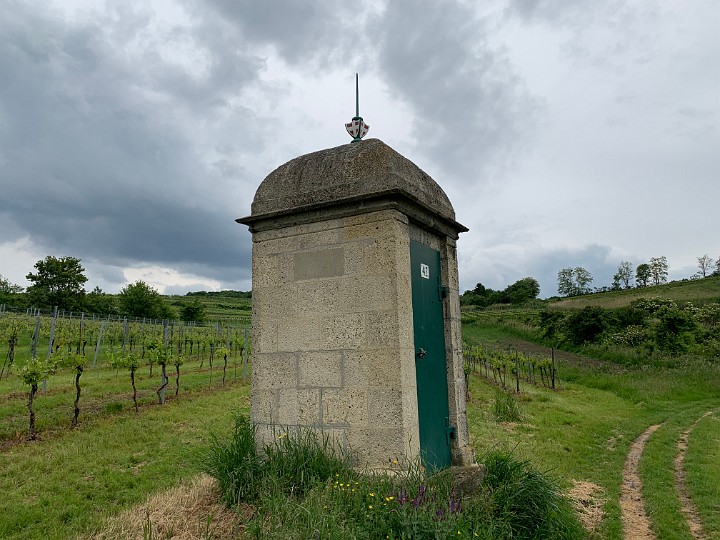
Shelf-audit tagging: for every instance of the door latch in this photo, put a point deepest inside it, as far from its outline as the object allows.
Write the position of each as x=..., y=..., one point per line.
x=421, y=353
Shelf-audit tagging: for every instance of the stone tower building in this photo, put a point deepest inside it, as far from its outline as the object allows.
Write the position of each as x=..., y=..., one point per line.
x=356, y=314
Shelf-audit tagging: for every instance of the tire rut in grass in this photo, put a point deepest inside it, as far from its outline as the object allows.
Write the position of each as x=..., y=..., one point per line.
x=636, y=524
x=692, y=517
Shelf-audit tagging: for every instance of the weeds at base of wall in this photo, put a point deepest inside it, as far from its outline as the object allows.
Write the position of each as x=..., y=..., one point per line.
x=302, y=486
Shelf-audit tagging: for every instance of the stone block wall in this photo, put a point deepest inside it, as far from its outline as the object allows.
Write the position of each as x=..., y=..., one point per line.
x=333, y=338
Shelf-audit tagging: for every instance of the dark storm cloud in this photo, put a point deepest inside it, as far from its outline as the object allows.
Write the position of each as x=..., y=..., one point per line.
x=469, y=105
x=95, y=158
x=314, y=30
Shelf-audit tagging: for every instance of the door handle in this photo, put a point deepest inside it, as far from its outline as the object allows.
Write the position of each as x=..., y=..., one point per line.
x=421, y=353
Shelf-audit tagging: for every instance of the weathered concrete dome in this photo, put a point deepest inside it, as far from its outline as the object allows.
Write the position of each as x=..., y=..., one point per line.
x=351, y=172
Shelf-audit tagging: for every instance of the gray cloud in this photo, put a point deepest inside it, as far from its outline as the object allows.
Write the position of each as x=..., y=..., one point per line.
x=469, y=104
x=97, y=160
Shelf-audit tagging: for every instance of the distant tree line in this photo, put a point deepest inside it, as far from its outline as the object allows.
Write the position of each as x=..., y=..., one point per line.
x=520, y=292
x=59, y=282
x=576, y=281
x=222, y=294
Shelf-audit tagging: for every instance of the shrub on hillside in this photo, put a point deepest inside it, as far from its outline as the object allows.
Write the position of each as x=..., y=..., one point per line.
x=586, y=325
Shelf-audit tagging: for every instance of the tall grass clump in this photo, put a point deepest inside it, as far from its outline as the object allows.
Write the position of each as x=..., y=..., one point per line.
x=303, y=487
x=291, y=465
x=235, y=463
x=525, y=502
x=506, y=408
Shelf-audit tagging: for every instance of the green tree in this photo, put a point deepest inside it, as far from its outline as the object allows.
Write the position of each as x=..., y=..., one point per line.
x=642, y=275
x=57, y=282
x=624, y=275
x=194, y=311
x=705, y=264
x=586, y=325
x=521, y=291
x=96, y=301
x=10, y=293
x=140, y=300
x=6, y=287
x=480, y=296
x=574, y=281
x=659, y=270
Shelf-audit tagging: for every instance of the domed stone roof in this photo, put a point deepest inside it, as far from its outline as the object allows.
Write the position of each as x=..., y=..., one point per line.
x=345, y=175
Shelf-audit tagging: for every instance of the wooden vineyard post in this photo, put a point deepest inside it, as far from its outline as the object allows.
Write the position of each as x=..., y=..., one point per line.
x=245, y=356
x=97, y=345
x=517, y=373
x=552, y=369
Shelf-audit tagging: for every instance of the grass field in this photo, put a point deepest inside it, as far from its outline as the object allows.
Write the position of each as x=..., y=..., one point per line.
x=697, y=291
x=70, y=481
x=582, y=431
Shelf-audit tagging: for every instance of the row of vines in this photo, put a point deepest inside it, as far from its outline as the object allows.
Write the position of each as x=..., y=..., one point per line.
x=37, y=347
x=508, y=369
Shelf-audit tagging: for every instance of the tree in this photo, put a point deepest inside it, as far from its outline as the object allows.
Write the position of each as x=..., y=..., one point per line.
x=705, y=264
x=642, y=275
x=574, y=281
x=623, y=276
x=194, y=311
x=521, y=291
x=6, y=287
x=140, y=300
x=58, y=282
x=96, y=301
x=659, y=270
x=480, y=296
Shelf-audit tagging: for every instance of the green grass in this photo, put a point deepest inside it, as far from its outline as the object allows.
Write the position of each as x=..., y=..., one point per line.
x=305, y=488
x=67, y=482
x=658, y=473
x=583, y=430
x=60, y=487
x=104, y=391
x=698, y=291
x=702, y=464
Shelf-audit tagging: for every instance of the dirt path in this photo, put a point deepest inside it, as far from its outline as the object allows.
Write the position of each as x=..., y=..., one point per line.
x=692, y=517
x=636, y=525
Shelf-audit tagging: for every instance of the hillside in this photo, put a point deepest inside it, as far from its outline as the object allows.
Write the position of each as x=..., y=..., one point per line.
x=223, y=306
x=697, y=291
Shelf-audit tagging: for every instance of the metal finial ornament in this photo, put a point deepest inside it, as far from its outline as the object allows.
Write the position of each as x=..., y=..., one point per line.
x=357, y=128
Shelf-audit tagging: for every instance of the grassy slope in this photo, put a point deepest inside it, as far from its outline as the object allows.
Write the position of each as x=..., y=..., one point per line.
x=104, y=391
x=702, y=463
x=62, y=486
x=583, y=431
x=696, y=291
x=217, y=308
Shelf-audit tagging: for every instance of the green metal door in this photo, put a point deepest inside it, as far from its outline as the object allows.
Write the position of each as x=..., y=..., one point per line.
x=430, y=363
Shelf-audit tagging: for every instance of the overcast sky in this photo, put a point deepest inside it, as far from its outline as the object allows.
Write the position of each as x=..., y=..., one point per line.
x=565, y=132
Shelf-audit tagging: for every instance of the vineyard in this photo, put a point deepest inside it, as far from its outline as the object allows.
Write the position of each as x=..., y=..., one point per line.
x=60, y=370
x=497, y=365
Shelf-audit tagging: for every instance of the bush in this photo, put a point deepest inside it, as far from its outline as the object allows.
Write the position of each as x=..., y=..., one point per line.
x=586, y=325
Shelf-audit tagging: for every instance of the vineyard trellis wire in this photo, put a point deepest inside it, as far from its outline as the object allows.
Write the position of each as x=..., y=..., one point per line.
x=496, y=365
x=77, y=343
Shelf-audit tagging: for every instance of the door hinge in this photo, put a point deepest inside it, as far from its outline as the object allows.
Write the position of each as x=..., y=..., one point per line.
x=450, y=431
